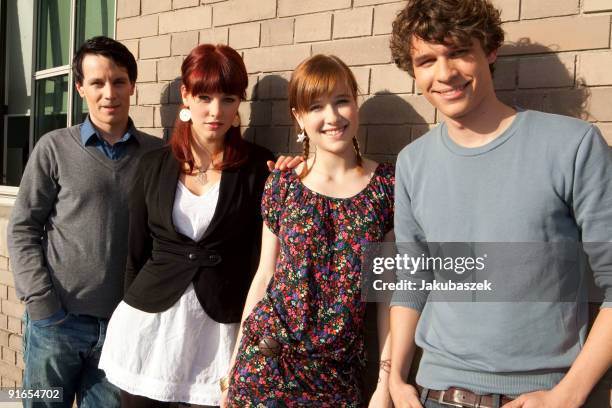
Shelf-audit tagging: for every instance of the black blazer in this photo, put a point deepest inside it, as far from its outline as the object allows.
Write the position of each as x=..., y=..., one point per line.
x=162, y=262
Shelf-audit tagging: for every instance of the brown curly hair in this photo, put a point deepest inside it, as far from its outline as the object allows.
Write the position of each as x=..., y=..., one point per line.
x=447, y=22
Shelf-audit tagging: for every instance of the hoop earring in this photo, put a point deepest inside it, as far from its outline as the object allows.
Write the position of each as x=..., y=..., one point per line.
x=185, y=115
x=301, y=136
x=236, y=121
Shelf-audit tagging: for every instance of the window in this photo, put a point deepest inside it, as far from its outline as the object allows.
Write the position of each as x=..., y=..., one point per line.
x=38, y=39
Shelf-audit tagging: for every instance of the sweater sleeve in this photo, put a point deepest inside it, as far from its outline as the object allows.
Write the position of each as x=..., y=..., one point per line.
x=26, y=232
x=592, y=206
x=140, y=242
x=409, y=237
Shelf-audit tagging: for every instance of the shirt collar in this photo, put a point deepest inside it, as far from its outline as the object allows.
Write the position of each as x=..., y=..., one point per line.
x=88, y=131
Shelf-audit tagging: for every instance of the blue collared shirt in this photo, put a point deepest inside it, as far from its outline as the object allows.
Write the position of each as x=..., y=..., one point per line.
x=91, y=137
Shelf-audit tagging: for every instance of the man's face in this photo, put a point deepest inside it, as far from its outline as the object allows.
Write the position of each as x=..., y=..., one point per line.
x=457, y=81
x=107, y=89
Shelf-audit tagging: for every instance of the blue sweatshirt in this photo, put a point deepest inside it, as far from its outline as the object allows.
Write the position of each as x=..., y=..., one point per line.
x=547, y=178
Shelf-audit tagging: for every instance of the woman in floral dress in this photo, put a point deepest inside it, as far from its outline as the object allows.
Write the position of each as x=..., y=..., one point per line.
x=302, y=340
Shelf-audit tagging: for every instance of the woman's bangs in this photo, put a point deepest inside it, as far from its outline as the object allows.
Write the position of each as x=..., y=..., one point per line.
x=321, y=82
x=216, y=77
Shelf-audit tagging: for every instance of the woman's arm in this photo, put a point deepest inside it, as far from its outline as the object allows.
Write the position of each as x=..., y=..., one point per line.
x=270, y=247
x=381, y=396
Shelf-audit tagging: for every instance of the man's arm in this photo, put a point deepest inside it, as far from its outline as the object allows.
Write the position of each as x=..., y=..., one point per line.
x=406, y=306
x=588, y=368
x=592, y=206
x=35, y=201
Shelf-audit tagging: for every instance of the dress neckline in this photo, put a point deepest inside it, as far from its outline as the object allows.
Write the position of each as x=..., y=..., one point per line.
x=358, y=194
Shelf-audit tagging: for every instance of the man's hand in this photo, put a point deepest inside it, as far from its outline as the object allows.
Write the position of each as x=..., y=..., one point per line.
x=544, y=399
x=404, y=395
x=285, y=163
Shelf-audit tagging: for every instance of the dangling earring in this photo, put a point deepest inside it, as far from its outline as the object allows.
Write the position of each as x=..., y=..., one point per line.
x=301, y=136
x=236, y=121
x=185, y=115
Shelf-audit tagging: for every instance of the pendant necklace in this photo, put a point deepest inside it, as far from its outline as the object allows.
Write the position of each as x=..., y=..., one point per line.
x=200, y=175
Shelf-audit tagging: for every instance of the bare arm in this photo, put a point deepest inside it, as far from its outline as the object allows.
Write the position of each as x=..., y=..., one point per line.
x=403, y=323
x=588, y=368
x=381, y=396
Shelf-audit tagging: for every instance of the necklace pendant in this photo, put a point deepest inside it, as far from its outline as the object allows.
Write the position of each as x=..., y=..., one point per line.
x=201, y=177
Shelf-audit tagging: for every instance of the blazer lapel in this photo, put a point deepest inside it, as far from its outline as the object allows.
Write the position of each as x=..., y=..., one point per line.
x=168, y=180
x=227, y=189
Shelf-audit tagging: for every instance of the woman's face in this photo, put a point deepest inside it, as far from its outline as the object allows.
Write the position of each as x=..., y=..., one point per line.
x=331, y=121
x=212, y=114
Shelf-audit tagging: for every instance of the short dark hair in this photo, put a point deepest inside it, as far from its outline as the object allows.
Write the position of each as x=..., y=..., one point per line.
x=106, y=47
x=449, y=22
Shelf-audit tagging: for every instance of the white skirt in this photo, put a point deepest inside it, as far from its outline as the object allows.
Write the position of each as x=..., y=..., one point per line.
x=176, y=355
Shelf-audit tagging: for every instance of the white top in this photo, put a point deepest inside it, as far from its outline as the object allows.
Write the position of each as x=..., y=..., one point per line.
x=179, y=354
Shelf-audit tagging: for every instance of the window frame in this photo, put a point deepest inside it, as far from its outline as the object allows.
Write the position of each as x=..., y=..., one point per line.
x=8, y=194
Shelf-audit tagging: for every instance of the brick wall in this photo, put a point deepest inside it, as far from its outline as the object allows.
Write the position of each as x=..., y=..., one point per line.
x=557, y=59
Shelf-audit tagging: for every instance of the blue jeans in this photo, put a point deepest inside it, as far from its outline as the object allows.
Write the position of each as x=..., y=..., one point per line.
x=65, y=353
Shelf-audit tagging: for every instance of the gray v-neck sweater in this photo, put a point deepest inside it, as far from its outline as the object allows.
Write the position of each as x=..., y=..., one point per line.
x=67, y=234
x=547, y=178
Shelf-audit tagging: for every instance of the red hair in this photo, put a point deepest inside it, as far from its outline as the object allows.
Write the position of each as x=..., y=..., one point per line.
x=211, y=69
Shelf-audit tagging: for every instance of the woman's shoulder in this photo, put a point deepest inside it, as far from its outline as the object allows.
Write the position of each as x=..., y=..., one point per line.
x=383, y=179
x=381, y=172
x=282, y=179
x=387, y=171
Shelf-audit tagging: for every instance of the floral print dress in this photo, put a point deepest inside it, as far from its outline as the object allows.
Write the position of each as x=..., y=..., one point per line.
x=313, y=305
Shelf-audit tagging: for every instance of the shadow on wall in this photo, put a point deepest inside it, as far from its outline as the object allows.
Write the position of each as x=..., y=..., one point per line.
x=530, y=75
x=388, y=123
x=170, y=105
x=267, y=117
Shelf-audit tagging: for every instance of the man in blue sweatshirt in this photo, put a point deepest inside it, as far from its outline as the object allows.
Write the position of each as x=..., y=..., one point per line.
x=493, y=173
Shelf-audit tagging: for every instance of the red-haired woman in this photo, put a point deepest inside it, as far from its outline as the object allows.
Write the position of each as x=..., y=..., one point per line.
x=195, y=228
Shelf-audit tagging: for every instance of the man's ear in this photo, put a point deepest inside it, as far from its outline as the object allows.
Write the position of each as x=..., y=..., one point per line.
x=79, y=88
x=492, y=57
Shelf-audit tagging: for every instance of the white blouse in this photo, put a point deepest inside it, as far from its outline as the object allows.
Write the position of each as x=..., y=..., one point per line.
x=179, y=354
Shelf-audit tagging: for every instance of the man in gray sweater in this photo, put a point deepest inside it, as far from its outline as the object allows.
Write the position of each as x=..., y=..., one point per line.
x=492, y=173
x=68, y=230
